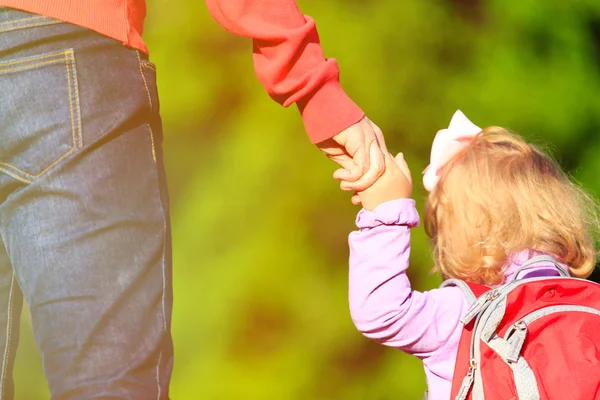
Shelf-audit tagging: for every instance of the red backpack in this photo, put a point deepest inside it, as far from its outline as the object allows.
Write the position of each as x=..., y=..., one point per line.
x=530, y=339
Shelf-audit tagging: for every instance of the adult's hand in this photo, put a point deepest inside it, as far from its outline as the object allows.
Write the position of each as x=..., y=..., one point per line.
x=359, y=150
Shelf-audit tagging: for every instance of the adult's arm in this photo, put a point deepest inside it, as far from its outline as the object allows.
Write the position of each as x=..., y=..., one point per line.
x=289, y=62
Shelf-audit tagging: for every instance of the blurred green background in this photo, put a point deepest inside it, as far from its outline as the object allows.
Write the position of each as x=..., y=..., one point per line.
x=260, y=228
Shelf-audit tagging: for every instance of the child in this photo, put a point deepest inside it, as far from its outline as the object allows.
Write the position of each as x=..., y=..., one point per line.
x=494, y=202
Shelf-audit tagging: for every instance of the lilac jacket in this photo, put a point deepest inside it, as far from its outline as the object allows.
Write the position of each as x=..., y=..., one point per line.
x=385, y=308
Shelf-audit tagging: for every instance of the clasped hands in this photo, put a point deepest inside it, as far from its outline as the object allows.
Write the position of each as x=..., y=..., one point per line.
x=367, y=167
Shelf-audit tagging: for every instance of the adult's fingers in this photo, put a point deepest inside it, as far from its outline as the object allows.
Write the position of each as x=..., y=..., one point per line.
x=376, y=169
x=349, y=171
x=368, y=163
x=355, y=141
x=337, y=153
x=378, y=135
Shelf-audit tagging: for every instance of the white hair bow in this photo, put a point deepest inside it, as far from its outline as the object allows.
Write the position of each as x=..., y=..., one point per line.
x=446, y=144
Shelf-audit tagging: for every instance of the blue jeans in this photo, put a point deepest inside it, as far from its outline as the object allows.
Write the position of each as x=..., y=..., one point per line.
x=83, y=212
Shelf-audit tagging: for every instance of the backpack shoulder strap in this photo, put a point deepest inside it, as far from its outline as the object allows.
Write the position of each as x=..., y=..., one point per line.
x=477, y=289
x=472, y=291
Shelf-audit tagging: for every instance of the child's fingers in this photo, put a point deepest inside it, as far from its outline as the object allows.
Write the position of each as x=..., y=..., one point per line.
x=340, y=174
x=401, y=162
x=356, y=199
x=376, y=169
x=399, y=158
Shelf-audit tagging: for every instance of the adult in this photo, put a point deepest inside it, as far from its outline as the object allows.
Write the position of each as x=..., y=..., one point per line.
x=84, y=210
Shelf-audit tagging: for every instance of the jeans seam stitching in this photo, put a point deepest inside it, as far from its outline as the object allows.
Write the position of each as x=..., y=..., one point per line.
x=16, y=21
x=77, y=103
x=59, y=56
x=29, y=66
x=70, y=100
x=16, y=176
x=164, y=281
x=140, y=63
x=148, y=64
x=158, y=375
x=152, y=142
x=164, y=314
x=144, y=78
x=15, y=26
x=8, y=334
x=68, y=58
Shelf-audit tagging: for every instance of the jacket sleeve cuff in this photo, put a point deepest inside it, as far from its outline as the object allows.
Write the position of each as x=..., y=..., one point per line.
x=396, y=212
x=328, y=111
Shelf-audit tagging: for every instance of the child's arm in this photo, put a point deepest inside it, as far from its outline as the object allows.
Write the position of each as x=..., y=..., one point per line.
x=395, y=183
x=382, y=304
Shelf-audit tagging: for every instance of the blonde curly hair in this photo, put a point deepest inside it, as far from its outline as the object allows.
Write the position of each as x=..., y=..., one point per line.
x=499, y=196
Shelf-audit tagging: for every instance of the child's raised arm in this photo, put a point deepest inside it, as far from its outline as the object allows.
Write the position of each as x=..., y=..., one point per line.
x=382, y=304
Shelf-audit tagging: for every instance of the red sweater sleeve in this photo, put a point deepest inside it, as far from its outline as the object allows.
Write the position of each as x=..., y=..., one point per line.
x=289, y=62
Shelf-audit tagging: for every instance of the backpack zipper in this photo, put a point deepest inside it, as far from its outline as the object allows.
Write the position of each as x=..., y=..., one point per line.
x=516, y=341
x=517, y=333
x=479, y=305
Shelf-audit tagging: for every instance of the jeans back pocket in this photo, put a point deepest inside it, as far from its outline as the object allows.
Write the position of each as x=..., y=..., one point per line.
x=40, y=118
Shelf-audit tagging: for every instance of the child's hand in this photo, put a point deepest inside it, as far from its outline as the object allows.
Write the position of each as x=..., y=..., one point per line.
x=395, y=183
